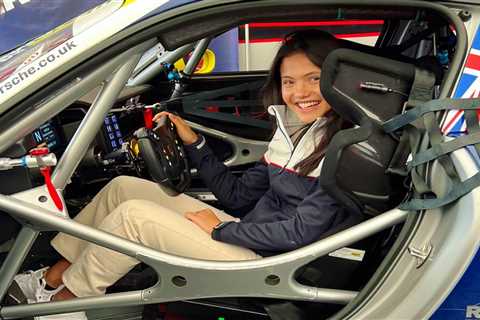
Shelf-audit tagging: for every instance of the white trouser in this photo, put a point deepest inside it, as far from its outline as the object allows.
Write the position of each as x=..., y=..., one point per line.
x=140, y=211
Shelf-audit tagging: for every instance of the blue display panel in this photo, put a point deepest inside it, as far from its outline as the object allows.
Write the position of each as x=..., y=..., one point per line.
x=47, y=134
x=113, y=132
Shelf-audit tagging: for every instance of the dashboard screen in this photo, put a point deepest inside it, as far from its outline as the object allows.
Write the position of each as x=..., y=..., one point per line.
x=113, y=133
x=46, y=133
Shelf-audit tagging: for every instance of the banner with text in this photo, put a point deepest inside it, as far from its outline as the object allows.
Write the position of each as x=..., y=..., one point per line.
x=23, y=20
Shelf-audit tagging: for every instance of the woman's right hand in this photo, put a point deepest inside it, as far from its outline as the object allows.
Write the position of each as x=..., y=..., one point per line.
x=184, y=131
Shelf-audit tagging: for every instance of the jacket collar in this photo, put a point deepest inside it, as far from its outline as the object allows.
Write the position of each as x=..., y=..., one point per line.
x=289, y=120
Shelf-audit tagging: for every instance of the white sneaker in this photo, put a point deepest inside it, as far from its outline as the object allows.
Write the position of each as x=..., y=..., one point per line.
x=30, y=281
x=32, y=284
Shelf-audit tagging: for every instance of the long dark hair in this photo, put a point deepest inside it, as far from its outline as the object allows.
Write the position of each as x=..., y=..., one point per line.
x=316, y=45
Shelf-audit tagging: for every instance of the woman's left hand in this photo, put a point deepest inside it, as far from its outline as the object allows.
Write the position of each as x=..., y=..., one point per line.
x=205, y=219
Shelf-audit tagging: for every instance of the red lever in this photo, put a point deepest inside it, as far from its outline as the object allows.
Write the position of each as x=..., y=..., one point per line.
x=147, y=117
x=51, y=188
x=45, y=171
x=39, y=151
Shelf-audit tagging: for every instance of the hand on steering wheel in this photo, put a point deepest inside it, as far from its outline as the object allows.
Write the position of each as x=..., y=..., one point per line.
x=183, y=129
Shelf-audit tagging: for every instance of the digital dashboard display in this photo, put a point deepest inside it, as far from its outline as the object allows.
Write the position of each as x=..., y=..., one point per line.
x=113, y=133
x=46, y=134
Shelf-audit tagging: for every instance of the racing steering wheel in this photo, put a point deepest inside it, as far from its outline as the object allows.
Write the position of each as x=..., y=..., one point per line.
x=164, y=156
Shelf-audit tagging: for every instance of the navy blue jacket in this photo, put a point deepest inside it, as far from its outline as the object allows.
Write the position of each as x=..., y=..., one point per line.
x=290, y=211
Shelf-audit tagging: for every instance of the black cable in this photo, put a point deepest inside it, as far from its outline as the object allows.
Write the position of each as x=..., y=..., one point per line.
x=380, y=87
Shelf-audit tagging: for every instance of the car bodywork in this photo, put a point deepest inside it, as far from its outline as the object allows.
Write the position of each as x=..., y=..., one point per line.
x=430, y=254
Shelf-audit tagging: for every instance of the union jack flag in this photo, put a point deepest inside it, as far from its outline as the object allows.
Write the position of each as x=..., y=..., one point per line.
x=468, y=87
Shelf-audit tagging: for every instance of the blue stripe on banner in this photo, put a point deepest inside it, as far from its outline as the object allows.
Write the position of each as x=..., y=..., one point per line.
x=456, y=130
x=465, y=82
x=23, y=21
x=476, y=40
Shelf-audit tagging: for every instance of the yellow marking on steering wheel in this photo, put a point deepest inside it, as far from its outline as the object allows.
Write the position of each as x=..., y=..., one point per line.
x=134, y=147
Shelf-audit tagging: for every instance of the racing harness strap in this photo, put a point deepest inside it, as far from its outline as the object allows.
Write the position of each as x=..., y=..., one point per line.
x=421, y=107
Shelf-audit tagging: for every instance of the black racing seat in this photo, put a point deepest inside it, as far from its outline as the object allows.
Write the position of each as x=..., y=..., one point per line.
x=362, y=164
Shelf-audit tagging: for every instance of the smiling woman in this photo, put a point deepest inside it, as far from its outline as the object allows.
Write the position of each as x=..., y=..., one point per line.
x=297, y=68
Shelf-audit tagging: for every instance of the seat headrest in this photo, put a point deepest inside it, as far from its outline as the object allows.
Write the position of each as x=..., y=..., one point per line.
x=347, y=76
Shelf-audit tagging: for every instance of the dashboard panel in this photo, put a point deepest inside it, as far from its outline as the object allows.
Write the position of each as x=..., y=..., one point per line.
x=112, y=133
x=48, y=134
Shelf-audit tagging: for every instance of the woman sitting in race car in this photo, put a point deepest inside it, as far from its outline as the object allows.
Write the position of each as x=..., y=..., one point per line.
x=290, y=208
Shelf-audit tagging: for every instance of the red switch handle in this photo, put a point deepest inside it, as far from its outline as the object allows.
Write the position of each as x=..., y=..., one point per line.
x=39, y=151
x=148, y=118
x=45, y=171
x=51, y=188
